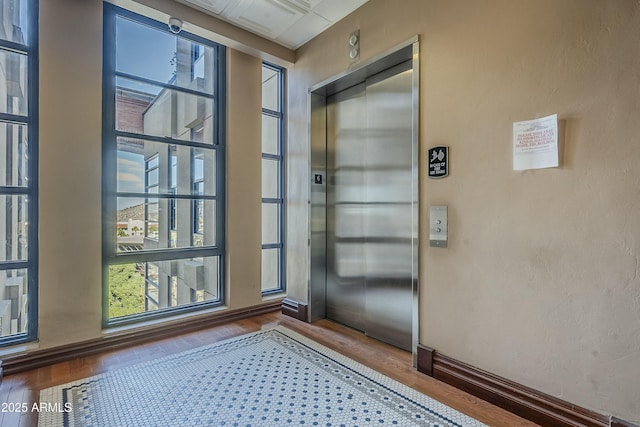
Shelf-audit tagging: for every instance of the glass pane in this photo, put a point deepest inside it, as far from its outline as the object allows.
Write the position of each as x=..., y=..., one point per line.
x=151, y=305
x=270, y=269
x=270, y=134
x=13, y=81
x=270, y=179
x=14, y=155
x=13, y=228
x=203, y=230
x=156, y=111
x=152, y=272
x=153, y=161
x=153, y=178
x=173, y=161
x=137, y=222
x=138, y=287
x=269, y=88
x=151, y=225
x=173, y=291
x=270, y=223
x=151, y=295
x=157, y=223
x=126, y=289
x=166, y=58
x=130, y=166
x=13, y=306
x=151, y=287
x=168, y=169
x=13, y=25
x=199, y=213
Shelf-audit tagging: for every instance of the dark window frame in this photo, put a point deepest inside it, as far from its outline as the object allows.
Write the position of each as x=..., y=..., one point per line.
x=279, y=114
x=31, y=50
x=109, y=181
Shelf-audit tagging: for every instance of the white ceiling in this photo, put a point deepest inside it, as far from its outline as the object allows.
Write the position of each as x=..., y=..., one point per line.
x=290, y=23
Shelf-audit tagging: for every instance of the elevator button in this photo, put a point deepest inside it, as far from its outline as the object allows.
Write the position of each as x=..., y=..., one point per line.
x=438, y=226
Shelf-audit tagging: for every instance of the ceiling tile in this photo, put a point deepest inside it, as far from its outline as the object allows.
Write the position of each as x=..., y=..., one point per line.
x=301, y=5
x=266, y=17
x=215, y=6
x=304, y=30
x=288, y=22
x=336, y=10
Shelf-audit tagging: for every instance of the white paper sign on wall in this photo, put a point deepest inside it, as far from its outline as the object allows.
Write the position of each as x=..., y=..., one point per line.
x=535, y=143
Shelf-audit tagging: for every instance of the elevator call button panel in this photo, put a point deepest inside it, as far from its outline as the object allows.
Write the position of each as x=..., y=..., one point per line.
x=438, y=226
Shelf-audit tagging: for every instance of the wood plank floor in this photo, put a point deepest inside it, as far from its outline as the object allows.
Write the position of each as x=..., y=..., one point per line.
x=393, y=362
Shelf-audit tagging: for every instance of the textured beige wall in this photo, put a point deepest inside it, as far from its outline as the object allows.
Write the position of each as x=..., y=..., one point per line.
x=70, y=141
x=541, y=280
x=244, y=189
x=70, y=293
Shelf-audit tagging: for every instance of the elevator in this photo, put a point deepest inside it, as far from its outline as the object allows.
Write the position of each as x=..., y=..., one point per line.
x=364, y=225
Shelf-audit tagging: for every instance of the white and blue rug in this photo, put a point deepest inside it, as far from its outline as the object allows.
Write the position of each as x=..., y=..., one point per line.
x=272, y=378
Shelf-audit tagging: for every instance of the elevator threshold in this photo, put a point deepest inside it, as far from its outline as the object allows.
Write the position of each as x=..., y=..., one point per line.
x=362, y=333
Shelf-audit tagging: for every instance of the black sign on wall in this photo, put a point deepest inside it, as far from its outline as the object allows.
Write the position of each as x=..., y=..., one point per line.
x=438, y=162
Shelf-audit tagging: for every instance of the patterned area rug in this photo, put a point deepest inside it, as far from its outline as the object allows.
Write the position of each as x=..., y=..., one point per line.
x=273, y=377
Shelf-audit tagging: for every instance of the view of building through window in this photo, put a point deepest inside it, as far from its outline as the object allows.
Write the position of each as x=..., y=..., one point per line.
x=272, y=179
x=164, y=179
x=18, y=183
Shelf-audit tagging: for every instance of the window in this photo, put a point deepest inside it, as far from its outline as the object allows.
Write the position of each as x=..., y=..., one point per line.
x=273, y=270
x=163, y=169
x=18, y=173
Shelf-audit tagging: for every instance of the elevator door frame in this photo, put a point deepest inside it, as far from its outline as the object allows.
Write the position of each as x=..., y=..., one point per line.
x=318, y=174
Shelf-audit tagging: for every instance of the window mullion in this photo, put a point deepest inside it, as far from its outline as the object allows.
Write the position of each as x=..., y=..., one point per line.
x=169, y=86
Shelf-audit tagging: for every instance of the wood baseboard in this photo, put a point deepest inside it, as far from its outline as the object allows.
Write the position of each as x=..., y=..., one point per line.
x=425, y=359
x=523, y=401
x=294, y=309
x=39, y=358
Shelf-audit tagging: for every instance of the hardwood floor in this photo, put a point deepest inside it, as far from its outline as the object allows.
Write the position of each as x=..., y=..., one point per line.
x=24, y=388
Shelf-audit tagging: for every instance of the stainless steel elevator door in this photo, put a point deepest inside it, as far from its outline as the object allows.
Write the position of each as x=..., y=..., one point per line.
x=346, y=128
x=369, y=206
